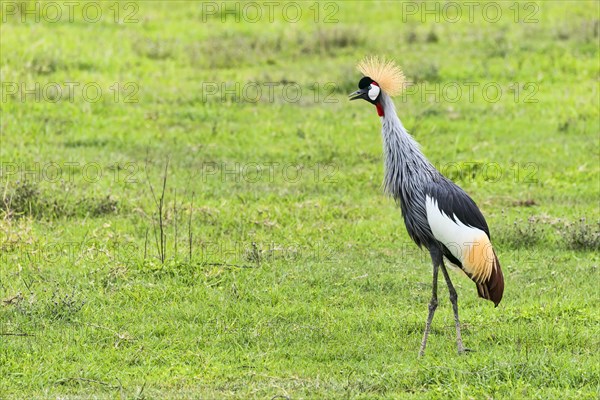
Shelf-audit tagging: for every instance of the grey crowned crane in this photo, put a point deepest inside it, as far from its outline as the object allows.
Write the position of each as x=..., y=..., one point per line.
x=437, y=213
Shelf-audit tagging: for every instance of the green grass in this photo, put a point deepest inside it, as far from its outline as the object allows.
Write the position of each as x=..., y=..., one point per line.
x=302, y=281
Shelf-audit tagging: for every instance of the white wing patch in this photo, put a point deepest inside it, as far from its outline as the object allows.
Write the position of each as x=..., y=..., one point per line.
x=468, y=244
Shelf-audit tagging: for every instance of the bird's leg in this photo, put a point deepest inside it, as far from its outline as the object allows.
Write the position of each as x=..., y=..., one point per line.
x=432, y=305
x=454, y=301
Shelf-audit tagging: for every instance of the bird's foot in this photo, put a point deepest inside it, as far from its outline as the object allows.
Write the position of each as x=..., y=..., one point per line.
x=463, y=350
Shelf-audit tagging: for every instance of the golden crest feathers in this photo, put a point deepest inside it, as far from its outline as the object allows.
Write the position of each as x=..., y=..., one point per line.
x=385, y=72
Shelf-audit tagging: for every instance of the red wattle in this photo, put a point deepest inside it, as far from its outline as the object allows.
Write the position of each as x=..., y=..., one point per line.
x=379, y=109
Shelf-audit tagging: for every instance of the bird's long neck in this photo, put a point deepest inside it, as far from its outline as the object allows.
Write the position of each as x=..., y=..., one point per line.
x=406, y=168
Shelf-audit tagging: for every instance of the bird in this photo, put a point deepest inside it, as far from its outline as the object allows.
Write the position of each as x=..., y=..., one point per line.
x=438, y=214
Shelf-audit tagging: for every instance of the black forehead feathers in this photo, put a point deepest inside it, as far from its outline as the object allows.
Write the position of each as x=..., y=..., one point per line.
x=365, y=82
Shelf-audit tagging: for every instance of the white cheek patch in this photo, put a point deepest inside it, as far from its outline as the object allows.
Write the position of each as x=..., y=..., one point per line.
x=374, y=92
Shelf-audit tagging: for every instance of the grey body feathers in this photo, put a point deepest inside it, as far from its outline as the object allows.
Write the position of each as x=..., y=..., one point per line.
x=410, y=177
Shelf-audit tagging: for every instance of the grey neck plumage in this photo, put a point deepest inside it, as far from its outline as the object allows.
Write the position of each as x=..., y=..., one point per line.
x=406, y=168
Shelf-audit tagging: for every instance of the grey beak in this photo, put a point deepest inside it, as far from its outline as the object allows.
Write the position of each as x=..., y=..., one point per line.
x=357, y=95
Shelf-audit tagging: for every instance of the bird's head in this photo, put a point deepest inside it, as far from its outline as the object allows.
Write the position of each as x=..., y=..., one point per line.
x=368, y=90
x=381, y=76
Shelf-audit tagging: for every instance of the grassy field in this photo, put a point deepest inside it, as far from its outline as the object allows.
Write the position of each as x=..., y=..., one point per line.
x=191, y=208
